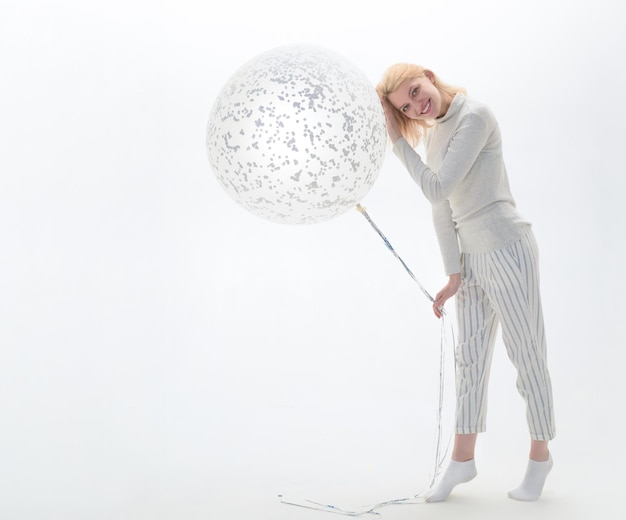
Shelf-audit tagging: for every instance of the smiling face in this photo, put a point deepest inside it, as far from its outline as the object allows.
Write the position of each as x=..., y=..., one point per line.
x=418, y=98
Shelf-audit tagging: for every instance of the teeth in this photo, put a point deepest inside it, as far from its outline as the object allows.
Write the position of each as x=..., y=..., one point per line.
x=426, y=108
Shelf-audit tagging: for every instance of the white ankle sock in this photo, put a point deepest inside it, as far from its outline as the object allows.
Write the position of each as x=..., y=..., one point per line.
x=532, y=485
x=457, y=473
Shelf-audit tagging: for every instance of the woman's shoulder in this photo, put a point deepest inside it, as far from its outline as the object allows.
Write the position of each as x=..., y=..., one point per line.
x=478, y=108
x=477, y=113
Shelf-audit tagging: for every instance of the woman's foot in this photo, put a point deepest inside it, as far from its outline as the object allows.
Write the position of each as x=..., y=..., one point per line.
x=457, y=473
x=531, y=487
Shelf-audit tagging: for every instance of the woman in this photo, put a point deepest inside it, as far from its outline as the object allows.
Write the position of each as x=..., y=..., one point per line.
x=489, y=254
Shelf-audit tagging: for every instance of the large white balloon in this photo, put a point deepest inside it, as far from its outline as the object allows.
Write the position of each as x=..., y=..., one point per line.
x=297, y=135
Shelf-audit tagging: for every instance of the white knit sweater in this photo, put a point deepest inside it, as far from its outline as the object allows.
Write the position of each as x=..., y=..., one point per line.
x=466, y=182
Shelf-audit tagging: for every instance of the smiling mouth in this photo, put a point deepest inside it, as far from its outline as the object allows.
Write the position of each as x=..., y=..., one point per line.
x=426, y=108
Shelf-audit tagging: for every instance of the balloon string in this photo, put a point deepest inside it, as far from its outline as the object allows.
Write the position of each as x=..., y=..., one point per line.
x=438, y=457
x=310, y=504
x=362, y=210
x=418, y=498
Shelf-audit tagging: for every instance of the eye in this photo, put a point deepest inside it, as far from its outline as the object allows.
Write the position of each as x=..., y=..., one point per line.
x=414, y=91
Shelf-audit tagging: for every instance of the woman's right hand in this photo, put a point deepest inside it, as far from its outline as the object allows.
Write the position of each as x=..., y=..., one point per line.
x=393, y=129
x=454, y=282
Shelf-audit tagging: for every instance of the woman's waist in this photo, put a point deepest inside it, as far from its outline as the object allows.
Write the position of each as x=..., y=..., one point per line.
x=491, y=230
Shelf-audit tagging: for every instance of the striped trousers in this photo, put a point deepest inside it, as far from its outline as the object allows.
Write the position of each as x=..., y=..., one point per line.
x=502, y=288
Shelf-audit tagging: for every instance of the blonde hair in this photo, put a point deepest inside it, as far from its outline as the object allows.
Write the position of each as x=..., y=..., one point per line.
x=413, y=130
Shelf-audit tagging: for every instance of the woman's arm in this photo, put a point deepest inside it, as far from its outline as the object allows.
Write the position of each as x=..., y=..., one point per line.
x=445, y=230
x=466, y=144
x=450, y=253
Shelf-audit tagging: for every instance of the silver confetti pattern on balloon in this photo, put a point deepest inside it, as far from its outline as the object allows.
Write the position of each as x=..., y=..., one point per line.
x=297, y=135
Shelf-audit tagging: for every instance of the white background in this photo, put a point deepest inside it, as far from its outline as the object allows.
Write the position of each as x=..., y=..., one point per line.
x=164, y=354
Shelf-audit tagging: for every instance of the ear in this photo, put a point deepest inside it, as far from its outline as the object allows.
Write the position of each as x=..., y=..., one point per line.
x=430, y=75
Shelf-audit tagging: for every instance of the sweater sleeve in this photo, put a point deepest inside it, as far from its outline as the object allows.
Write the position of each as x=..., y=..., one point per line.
x=446, y=237
x=467, y=142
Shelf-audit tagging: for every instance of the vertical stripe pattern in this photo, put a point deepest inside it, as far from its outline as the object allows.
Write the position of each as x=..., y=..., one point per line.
x=501, y=288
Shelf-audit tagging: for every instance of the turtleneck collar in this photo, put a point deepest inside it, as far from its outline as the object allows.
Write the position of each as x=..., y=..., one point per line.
x=453, y=109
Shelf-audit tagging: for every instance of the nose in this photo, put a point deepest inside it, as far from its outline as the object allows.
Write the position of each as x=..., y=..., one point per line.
x=416, y=109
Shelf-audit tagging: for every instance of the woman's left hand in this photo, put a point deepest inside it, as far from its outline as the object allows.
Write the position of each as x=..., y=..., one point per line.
x=454, y=282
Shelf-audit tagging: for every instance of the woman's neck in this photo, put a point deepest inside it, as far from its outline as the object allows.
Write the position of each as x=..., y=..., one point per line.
x=446, y=101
